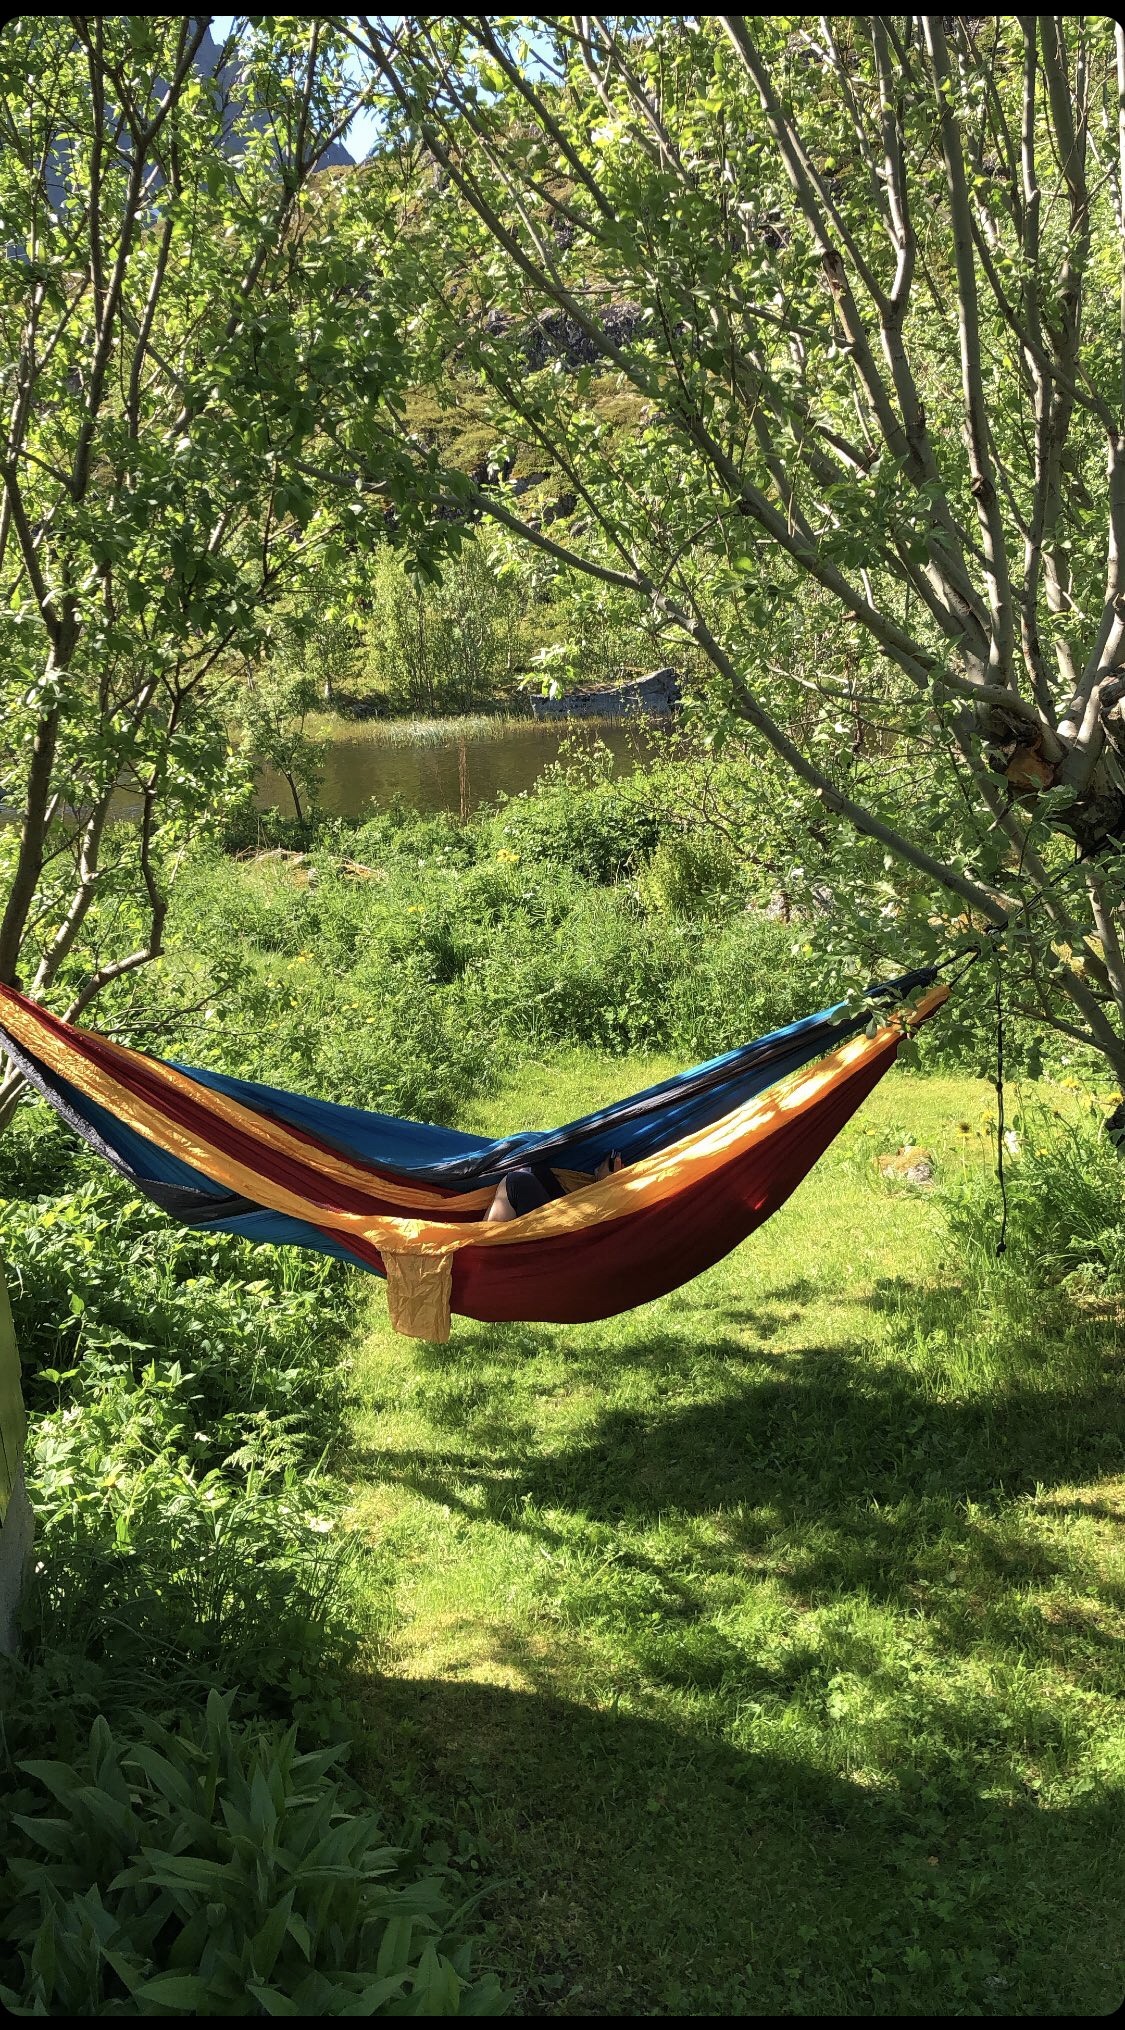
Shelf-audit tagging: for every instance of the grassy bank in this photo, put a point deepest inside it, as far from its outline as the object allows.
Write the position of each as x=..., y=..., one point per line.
x=769, y=1636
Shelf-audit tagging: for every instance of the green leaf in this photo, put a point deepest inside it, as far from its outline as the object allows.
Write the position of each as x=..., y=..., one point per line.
x=189, y=1992
x=273, y=2002
x=168, y=1780
x=267, y=1942
x=394, y=1949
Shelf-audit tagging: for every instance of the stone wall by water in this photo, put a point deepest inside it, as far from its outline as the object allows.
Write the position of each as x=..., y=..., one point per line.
x=652, y=697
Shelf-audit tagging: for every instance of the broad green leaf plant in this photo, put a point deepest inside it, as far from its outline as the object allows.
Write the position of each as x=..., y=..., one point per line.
x=215, y=1871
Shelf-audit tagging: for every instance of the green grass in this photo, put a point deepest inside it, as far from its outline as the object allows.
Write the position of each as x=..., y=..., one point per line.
x=770, y=1636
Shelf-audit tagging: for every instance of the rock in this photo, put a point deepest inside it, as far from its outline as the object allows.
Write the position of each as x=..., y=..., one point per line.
x=908, y=1165
x=656, y=696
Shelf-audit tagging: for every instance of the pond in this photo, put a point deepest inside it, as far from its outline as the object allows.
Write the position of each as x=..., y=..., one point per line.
x=437, y=765
x=455, y=765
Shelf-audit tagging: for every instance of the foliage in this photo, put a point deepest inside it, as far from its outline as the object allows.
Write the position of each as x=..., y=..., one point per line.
x=320, y=632
x=179, y=1414
x=1066, y=1204
x=854, y=286
x=185, y=1395
x=271, y=713
x=446, y=646
x=215, y=1871
x=582, y=819
x=102, y=1282
x=688, y=874
x=186, y=318
x=418, y=956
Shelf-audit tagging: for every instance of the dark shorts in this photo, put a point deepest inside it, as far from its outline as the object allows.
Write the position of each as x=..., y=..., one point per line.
x=530, y=1186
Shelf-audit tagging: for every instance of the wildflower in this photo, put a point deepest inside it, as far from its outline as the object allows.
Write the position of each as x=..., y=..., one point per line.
x=963, y=1128
x=321, y=1524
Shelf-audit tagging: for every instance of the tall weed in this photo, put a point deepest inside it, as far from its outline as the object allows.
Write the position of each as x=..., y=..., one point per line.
x=1065, y=1187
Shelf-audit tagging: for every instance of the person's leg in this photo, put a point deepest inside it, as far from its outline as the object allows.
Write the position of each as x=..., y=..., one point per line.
x=519, y=1192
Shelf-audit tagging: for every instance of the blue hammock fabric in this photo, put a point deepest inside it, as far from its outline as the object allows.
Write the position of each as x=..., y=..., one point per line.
x=414, y=1151
x=639, y=1126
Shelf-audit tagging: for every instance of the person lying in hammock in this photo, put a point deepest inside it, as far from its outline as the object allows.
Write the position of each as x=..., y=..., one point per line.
x=535, y=1184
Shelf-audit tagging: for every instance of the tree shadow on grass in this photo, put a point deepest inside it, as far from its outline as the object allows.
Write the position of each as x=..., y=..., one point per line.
x=658, y=1867
x=647, y=1870
x=833, y=1474
x=829, y=1430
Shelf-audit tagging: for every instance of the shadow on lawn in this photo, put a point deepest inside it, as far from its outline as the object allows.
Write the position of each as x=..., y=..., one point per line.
x=659, y=1868
x=830, y=1431
x=649, y=1870
x=831, y=1471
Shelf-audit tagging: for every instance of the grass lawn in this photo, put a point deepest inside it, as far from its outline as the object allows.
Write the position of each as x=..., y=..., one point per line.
x=769, y=1636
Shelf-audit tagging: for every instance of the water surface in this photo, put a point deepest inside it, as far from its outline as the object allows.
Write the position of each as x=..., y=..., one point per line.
x=452, y=771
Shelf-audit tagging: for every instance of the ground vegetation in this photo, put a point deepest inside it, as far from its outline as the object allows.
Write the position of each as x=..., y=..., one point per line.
x=785, y=1608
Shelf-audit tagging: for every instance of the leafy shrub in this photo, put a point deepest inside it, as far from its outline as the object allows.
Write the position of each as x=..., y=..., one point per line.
x=176, y=1407
x=193, y=1574
x=183, y=1391
x=577, y=967
x=738, y=981
x=689, y=874
x=603, y=830
x=443, y=647
x=1066, y=1204
x=215, y=1871
x=103, y=1285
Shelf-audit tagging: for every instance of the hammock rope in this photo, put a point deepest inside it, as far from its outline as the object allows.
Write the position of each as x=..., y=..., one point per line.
x=709, y=1155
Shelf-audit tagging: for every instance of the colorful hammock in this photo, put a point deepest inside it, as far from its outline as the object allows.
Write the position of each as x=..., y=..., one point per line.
x=709, y=1155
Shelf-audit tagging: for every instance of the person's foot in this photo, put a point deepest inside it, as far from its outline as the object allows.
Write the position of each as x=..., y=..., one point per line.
x=608, y=1163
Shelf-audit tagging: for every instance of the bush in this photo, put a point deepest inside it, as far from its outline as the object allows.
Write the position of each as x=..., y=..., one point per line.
x=602, y=830
x=443, y=647
x=187, y=1537
x=215, y=1871
x=1066, y=1205
x=739, y=981
x=192, y=1575
x=105, y=1289
x=689, y=874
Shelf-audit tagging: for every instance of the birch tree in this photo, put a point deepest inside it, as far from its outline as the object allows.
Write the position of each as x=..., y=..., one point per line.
x=188, y=328
x=863, y=281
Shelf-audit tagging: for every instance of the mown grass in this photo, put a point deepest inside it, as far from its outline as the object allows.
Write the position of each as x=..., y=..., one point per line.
x=769, y=1637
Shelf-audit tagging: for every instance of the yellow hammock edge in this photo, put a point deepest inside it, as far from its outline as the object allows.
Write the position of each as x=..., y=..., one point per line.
x=420, y=1268
x=417, y=1252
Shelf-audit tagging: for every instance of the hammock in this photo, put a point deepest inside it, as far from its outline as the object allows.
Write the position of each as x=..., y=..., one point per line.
x=708, y=1156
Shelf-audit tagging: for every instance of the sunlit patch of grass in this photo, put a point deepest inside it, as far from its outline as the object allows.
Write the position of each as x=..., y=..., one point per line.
x=773, y=1634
